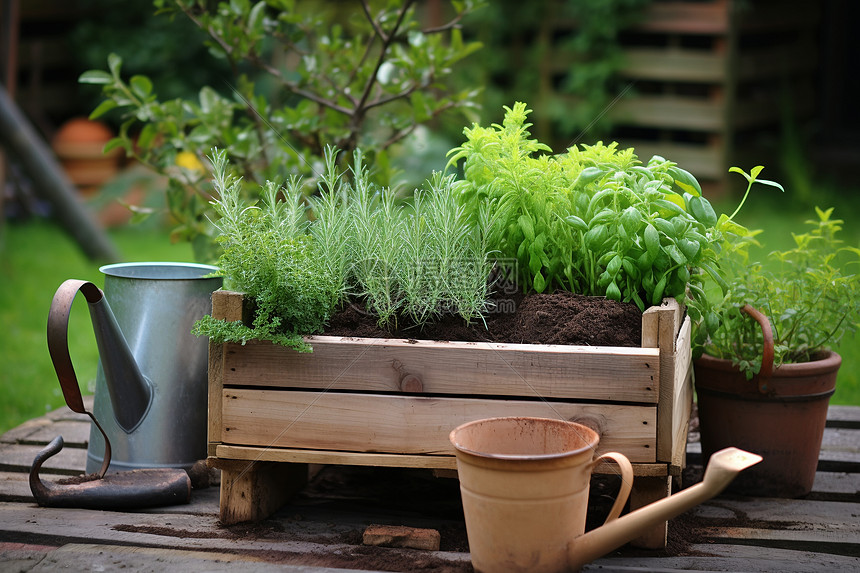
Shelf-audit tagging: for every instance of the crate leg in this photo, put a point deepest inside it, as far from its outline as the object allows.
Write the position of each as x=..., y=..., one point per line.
x=648, y=489
x=252, y=491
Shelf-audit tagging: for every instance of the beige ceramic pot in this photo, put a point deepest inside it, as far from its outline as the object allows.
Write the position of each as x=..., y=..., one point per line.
x=524, y=484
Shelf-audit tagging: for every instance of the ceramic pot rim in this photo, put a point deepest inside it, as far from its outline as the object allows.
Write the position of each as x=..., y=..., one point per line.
x=831, y=361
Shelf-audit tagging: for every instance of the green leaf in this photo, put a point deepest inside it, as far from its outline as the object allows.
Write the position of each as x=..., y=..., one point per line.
x=670, y=206
x=613, y=292
x=652, y=240
x=147, y=135
x=588, y=175
x=689, y=248
x=657, y=295
x=255, y=17
x=676, y=254
x=115, y=143
x=702, y=211
x=95, y=77
x=685, y=180
x=539, y=283
x=771, y=184
x=114, y=64
x=527, y=226
x=614, y=265
x=576, y=223
x=141, y=86
x=103, y=108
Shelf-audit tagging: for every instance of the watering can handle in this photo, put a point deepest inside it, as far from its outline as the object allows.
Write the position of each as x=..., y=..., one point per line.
x=58, y=348
x=767, y=354
x=626, y=482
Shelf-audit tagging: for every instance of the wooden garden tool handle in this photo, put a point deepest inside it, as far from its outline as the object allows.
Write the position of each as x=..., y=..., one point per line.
x=767, y=355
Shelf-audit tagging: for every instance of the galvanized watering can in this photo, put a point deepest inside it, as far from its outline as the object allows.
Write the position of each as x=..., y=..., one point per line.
x=150, y=400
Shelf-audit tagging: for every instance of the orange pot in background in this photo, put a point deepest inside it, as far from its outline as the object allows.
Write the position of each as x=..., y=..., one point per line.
x=78, y=145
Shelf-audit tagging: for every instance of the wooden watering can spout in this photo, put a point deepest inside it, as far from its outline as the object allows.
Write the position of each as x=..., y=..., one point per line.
x=722, y=469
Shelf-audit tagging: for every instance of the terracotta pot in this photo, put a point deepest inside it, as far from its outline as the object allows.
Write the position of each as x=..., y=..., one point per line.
x=780, y=414
x=78, y=144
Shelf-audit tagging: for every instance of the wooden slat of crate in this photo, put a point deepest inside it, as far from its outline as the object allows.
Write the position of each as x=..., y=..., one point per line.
x=379, y=365
x=668, y=64
x=709, y=18
x=332, y=457
x=408, y=424
x=701, y=66
x=669, y=112
x=703, y=160
x=666, y=328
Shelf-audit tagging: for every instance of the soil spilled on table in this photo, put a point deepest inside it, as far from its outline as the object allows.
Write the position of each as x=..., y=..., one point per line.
x=558, y=318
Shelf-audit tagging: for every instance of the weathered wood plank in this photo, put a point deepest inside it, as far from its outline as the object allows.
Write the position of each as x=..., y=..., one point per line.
x=670, y=112
x=845, y=416
x=703, y=160
x=445, y=462
x=169, y=530
x=682, y=400
x=213, y=396
x=783, y=514
x=685, y=18
x=726, y=557
x=368, y=364
x=75, y=434
x=19, y=458
x=104, y=557
x=15, y=486
x=837, y=484
x=646, y=491
x=293, y=455
x=64, y=413
x=576, y=372
x=253, y=490
x=663, y=64
x=665, y=327
x=407, y=424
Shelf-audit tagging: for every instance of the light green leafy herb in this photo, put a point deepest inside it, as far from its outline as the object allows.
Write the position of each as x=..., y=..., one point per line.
x=593, y=220
x=811, y=295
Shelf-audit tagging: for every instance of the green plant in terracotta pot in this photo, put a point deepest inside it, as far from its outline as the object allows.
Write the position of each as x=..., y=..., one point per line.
x=766, y=371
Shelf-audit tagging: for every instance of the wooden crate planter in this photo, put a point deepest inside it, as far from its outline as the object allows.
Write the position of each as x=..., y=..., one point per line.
x=386, y=402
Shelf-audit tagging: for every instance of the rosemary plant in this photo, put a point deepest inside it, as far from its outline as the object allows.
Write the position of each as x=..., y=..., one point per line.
x=268, y=255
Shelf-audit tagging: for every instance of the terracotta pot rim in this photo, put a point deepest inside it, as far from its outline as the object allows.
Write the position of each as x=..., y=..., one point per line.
x=830, y=360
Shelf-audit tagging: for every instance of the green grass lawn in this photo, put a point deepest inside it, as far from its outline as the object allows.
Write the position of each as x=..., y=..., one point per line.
x=35, y=257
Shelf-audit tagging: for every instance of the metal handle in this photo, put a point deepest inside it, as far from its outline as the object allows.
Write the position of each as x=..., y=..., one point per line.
x=767, y=354
x=58, y=348
x=626, y=482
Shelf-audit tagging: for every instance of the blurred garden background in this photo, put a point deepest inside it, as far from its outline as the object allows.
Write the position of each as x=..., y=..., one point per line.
x=706, y=83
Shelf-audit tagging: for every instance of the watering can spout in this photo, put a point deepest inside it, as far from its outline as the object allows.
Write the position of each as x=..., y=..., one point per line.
x=130, y=391
x=722, y=469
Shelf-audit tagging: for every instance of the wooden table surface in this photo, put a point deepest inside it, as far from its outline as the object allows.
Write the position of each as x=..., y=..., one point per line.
x=321, y=528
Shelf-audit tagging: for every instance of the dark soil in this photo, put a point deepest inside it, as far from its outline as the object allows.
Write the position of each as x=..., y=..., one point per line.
x=559, y=318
